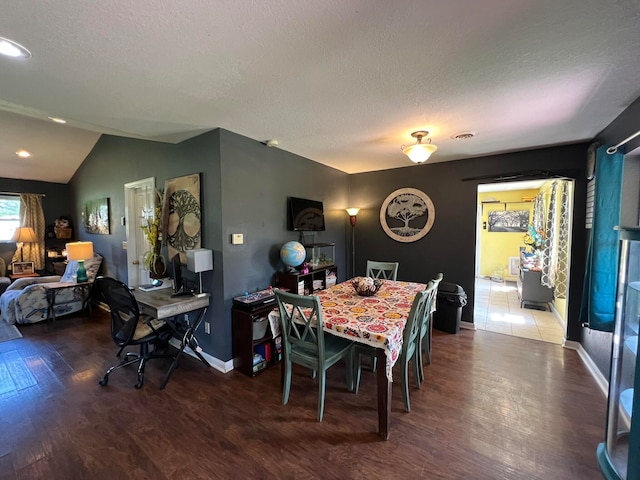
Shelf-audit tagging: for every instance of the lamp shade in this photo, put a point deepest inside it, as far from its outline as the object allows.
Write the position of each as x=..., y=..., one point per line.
x=79, y=250
x=24, y=235
x=353, y=211
x=419, y=152
x=199, y=260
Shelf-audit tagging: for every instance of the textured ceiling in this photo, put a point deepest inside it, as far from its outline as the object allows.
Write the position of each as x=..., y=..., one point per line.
x=343, y=83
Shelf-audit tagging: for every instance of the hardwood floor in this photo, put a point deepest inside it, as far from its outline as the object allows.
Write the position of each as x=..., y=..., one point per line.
x=493, y=407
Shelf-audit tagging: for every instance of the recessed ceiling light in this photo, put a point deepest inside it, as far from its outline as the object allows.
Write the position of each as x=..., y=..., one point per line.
x=463, y=135
x=23, y=154
x=57, y=119
x=13, y=49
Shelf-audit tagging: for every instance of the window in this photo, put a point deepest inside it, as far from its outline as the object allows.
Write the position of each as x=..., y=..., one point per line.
x=9, y=216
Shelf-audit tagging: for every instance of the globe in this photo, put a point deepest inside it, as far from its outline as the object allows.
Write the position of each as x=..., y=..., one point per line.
x=292, y=254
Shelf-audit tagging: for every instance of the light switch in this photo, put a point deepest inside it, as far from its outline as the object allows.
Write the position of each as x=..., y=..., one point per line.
x=237, y=238
x=124, y=245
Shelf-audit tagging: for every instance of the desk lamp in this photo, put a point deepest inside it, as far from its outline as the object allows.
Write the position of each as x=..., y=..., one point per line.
x=80, y=251
x=24, y=235
x=200, y=260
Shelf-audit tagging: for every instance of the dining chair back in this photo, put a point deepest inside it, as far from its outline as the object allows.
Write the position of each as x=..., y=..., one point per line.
x=304, y=343
x=424, y=342
x=130, y=327
x=384, y=270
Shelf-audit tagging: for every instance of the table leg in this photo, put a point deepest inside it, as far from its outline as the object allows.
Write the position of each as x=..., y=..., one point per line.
x=384, y=395
x=186, y=339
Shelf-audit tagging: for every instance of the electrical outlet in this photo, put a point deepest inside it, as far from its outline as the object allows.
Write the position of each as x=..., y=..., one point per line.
x=207, y=328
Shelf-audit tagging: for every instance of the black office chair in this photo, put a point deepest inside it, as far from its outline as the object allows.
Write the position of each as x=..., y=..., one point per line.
x=130, y=327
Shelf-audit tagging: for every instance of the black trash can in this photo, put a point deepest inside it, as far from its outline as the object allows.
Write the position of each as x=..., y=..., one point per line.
x=449, y=302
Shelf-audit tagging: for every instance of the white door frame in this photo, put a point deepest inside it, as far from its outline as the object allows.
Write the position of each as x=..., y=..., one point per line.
x=132, y=226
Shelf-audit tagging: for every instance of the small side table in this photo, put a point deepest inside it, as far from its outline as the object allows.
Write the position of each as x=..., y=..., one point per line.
x=52, y=292
x=22, y=275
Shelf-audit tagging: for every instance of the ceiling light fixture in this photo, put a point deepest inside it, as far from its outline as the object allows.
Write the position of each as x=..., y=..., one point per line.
x=57, y=119
x=13, y=49
x=23, y=154
x=419, y=152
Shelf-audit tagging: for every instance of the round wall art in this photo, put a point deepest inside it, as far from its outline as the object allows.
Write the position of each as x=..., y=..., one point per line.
x=407, y=215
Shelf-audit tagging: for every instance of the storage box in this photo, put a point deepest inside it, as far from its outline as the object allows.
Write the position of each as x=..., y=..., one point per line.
x=320, y=254
x=260, y=327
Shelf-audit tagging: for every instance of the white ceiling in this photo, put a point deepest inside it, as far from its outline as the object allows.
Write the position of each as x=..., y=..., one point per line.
x=340, y=82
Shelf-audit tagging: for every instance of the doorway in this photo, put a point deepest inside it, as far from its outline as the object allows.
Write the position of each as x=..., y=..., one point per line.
x=503, y=248
x=139, y=202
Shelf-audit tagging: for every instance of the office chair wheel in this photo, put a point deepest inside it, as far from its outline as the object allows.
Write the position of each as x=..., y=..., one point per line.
x=139, y=385
x=104, y=380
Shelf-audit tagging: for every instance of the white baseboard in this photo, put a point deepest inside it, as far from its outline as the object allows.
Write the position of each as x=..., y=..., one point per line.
x=467, y=325
x=216, y=363
x=600, y=379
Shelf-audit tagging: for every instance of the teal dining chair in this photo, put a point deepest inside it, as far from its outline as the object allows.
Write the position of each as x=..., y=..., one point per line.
x=410, y=341
x=426, y=328
x=304, y=343
x=383, y=270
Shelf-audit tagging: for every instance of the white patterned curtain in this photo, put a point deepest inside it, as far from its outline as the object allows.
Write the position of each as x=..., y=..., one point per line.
x=554, y=249
x=549, y=249
x=32, y=215
x=538, y=213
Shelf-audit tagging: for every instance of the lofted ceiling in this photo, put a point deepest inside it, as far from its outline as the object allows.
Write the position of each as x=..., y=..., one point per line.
x=343, y=83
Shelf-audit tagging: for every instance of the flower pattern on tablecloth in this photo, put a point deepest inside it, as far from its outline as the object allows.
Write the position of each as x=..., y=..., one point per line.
x=377, y=321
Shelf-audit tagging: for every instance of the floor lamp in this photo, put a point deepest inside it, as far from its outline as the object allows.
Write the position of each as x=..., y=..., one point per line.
x=353, y=212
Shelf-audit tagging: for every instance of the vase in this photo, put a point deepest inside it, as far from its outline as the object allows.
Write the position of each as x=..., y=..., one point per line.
x=159, y=268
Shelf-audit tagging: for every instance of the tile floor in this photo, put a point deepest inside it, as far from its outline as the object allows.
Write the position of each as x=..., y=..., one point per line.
x=497, y=309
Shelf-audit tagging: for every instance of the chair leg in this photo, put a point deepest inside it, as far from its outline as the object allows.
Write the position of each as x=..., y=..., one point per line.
x=405, y=387
x=357, y=371
x=287, y=381
x=322, y=378
x=126, y=361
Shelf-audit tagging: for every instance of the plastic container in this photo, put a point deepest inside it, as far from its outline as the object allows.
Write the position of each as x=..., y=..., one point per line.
x=449, y=302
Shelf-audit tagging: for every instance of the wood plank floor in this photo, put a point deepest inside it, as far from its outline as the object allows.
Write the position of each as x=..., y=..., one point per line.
x=494, y=407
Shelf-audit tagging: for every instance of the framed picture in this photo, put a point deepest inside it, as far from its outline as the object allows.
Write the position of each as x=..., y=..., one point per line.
x=509, y=221
x=95, y=216
x=22, y=268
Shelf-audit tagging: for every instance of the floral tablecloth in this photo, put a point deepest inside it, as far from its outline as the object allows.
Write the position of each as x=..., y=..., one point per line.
x=377, y=321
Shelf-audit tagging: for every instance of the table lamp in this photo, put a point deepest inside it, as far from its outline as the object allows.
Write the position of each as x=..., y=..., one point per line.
x=80, y=251
x=200, y=260
x=24, y=235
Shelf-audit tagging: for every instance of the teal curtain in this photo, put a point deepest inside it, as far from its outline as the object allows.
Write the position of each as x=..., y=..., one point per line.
x=599, y=292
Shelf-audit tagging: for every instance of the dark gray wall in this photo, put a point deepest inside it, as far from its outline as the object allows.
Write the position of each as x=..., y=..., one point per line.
x=256, y=183
x=57, y=201
x=244, y=187
x=450, y=245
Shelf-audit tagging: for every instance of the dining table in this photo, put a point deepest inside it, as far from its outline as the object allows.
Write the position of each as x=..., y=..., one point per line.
x=377, y=321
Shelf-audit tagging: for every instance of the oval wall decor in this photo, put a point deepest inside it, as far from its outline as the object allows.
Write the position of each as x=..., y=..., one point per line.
x=407, y=215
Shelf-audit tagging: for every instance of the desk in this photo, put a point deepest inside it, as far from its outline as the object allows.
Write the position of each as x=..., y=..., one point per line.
x=377, y=321
x=161, y=305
